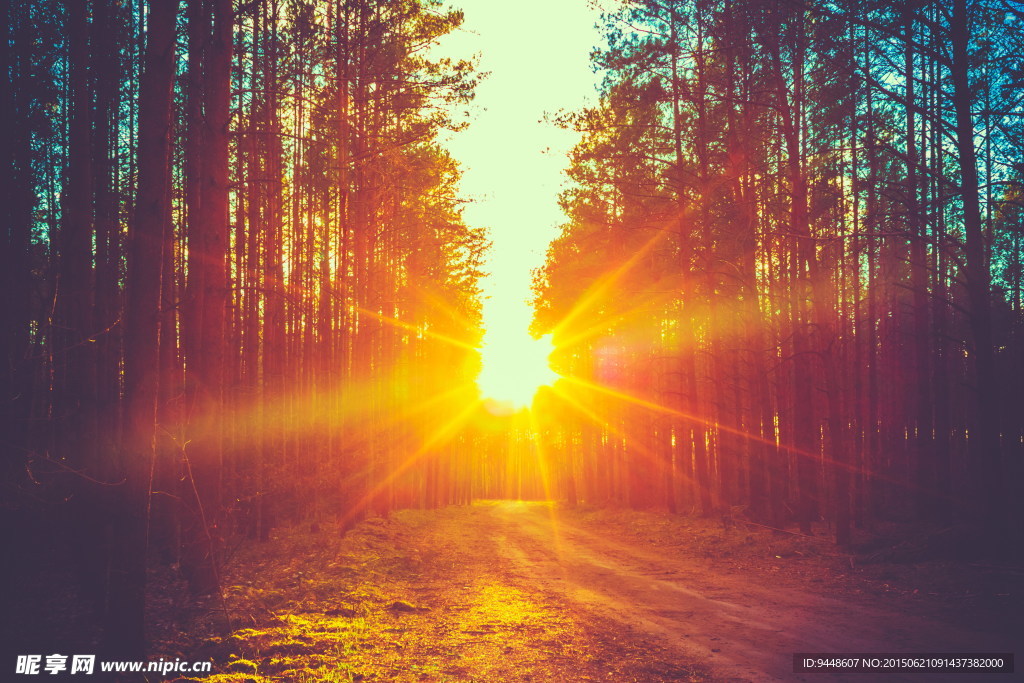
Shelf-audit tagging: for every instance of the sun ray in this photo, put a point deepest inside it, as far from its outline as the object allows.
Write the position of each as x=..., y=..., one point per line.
x=441, y=433
x=637, y=445
x=542, y=463
x=440, y=304
x=657, y=407
x=611, y=322
x=401, y=324
x=545, y=474
x=428, y=402
x=604, y=283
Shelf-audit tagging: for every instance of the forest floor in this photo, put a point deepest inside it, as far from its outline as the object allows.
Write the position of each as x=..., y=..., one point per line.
x=511, y=591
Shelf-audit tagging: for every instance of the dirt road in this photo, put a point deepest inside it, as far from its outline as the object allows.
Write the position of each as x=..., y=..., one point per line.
x=509, y=591
x=732, y=626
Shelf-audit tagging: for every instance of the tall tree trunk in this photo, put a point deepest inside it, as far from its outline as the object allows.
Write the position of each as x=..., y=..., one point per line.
x=75, y=396
x=805, y=432
x=109, y=25
x=208, y=232
x=917, y=231
x=76, y=280
x=984, y=442
x=17, y=201
x=125, y=625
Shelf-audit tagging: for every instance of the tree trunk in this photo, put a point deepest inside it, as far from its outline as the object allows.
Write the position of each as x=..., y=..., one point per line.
x=124, y=631
x=211, y=34
x=984, y=441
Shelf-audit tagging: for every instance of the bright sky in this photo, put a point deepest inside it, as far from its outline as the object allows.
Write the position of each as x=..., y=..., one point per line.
x=538, y=53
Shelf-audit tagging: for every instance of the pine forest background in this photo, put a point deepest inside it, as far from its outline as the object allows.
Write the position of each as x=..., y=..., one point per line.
x=239, y=291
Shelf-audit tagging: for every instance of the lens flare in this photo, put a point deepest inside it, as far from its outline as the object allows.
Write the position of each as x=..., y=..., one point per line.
x=514, y=368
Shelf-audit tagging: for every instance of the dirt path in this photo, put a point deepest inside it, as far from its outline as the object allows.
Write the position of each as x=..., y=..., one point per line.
x=508, y=591
x=735, y=625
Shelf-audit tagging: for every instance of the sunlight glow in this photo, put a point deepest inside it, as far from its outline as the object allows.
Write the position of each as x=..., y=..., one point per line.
x=512, y=155
x=439, y=436
x=515, y=367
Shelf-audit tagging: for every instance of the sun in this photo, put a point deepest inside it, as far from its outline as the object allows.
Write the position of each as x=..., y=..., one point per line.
x=514, y=368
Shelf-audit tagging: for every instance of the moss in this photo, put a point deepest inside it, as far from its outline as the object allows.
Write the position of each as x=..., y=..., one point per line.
x=242, y=666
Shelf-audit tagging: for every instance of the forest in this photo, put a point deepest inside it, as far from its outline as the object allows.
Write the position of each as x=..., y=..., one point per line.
x=819, y=311
x=240, y=295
